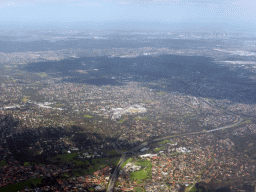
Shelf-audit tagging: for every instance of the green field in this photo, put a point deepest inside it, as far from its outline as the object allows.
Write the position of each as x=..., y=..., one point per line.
x=100, y=163
x=85, y=166
x=3, y=163
x=110, y=152
x=143, y=163
x=141, y=118
x=121, y=120
x=19, y=186
x=160, y=93
x=189, y=189
x=138, y=189
x=65, y=175
x=146, y=167
x=137, y=175
x=127, y=161
x=158, y=149
x=165, y=141
x=96, y=165
x=58, y=105
x=42, y=74
x=27, y=164
x=25, y=99
x=65, y=158
x=88, y=116
x=81, y=162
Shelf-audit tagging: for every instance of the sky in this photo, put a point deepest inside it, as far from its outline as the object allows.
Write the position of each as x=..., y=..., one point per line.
x=162, y=14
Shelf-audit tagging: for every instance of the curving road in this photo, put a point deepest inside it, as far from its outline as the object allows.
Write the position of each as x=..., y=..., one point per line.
x=146, y=143
x=125, y=156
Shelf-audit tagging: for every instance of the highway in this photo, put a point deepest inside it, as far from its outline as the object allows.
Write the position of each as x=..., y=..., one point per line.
x=125, y=156
x=146, y=143
x=115, y=173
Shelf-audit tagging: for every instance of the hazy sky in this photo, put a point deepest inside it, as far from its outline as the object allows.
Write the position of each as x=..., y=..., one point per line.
x=237, y=14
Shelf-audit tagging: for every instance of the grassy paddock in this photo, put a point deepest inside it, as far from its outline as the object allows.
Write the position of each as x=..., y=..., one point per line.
x=165, y=141
x=127, y=161
x=161, y=93
x=88, y=116
x=96, y=165
x=65, y=158
x=138, y=175
x=19, y=186
x=3, y=163
x=121, y=120
x=142, y=118
x=146, y=166
x=159, y=149
x=191, y=188
x=138, y=189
